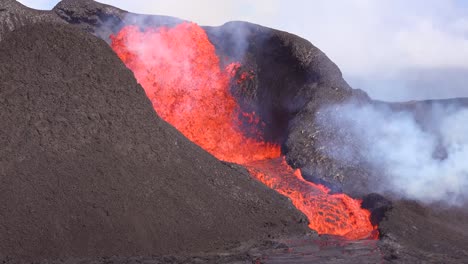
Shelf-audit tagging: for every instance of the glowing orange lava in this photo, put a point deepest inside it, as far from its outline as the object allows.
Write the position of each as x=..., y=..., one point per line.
x=180, y=72
x=335, y=214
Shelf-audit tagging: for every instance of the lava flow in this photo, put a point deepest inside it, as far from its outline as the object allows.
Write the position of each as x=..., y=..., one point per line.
x=180, y=72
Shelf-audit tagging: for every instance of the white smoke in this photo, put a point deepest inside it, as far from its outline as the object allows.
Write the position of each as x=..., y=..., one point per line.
x=423, y=158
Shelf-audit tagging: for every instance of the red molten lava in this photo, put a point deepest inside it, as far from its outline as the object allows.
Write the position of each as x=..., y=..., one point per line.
x=336, y=214
x=180, y=72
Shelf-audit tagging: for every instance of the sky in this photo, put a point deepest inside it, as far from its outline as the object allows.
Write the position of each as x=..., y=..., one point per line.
x=396, y=50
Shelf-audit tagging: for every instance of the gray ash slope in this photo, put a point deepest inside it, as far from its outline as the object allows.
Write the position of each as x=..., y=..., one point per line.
x=293, y=80
x=88, y=169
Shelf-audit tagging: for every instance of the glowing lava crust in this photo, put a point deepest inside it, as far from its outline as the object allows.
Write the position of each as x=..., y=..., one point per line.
x=180, y=72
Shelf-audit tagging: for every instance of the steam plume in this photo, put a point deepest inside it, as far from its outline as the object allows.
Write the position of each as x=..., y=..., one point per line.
x=423, y=158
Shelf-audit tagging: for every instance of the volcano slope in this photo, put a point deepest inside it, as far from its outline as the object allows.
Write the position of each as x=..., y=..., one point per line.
x=87, y=168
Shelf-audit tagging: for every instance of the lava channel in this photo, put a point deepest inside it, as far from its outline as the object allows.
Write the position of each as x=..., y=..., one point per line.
x=181, y=74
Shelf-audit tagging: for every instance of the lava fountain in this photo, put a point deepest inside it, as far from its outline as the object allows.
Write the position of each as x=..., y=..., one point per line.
x=180, y=72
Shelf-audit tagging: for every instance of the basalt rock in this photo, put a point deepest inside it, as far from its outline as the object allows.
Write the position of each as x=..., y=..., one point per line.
x=413, y=233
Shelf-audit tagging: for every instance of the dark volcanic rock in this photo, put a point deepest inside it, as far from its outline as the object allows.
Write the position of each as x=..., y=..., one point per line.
x=303, y=249
x=104, y=20
x=89, y=15
x=377, y=205
x=88, y=169
x=14, y=15
x=412, y=233
x=307, y=145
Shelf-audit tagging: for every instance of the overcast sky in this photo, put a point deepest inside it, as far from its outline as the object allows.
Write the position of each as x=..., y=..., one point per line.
x=393, y=49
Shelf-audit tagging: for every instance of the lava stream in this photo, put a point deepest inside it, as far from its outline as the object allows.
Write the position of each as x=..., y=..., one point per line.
x=179, y=70
x=336, y=214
